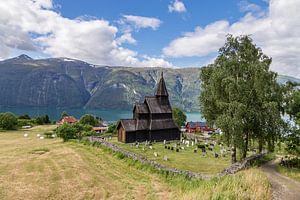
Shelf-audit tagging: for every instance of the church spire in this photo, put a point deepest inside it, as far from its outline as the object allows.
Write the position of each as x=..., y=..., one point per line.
x=161, y=87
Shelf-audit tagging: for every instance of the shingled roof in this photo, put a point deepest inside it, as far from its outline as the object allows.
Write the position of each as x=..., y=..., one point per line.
x=128, y=124
x=156, y=107
x=141, y=108
x=154, y=114
x=161, y=87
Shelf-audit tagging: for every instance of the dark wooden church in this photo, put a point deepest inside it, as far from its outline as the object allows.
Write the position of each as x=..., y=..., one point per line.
x=152, y=120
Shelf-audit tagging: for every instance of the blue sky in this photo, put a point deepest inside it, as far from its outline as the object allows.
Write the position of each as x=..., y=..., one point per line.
x=151, y=42
x=163, y=33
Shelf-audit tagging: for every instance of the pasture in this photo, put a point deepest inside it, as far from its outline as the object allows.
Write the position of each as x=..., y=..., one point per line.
x=33, y=168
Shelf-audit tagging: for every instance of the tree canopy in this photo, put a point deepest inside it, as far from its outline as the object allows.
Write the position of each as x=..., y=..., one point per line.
x=89, y=120
x=179, y=117
x=292, y=139
x=240, y=95
x=8, y=121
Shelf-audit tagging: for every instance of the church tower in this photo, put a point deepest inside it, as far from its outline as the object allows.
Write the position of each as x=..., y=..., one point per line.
x=161, y=91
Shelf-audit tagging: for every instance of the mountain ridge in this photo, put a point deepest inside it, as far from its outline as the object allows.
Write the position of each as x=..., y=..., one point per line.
x=66, y=82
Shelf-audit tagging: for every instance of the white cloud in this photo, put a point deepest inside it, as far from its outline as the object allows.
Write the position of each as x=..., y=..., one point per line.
x=177, y=6
x=139, y=22
x=126, y=38
x=277, y=32
x=245, y=6
x=33, y=25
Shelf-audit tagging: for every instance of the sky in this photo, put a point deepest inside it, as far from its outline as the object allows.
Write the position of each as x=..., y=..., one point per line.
x=149, y=33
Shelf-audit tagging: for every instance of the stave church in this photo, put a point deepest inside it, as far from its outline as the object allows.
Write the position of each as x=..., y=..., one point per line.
x=152, y=119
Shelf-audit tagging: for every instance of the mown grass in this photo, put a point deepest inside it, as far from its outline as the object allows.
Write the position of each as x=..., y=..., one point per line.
x=76, y=171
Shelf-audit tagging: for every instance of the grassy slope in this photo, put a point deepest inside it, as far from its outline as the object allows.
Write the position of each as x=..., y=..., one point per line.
x=75, y=171
x=184, y=159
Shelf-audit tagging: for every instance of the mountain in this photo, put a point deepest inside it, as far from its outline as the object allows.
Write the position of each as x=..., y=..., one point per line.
x=65, y=82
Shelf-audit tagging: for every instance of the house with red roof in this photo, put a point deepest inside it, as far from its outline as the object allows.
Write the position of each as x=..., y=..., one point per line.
x=67, y=119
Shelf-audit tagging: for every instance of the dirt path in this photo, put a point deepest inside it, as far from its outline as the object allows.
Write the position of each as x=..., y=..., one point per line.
x=282, y=186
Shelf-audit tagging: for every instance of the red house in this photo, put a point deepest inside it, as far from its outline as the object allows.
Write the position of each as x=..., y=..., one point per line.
x=67, y=119
x=192, y=127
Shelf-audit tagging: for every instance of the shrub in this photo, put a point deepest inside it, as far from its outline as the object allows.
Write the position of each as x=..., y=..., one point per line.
x=24, y=122
x=74, y=131
x=44, y=119
x=112, y=129
x=8, y=121
x=26, y=116
x=66, y=132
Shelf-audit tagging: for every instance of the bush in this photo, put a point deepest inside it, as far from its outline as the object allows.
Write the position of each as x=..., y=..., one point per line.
x=24, y=122
x=44, y=119
x=66, y=132
x=112, y=129
x=74, y=131
x=8, y=121
x=24, y=117
x=89, y=120
x=48, y=134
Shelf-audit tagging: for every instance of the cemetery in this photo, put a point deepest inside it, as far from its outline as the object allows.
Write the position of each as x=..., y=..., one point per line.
x=207, y=157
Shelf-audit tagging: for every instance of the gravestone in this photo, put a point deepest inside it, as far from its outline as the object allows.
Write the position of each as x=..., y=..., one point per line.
x=155, y=154
x=216, y=155
x=165, y=158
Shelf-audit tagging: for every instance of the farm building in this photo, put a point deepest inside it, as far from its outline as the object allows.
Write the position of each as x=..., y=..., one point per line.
x=192, y=127
x=152, y=120
x=67, y=119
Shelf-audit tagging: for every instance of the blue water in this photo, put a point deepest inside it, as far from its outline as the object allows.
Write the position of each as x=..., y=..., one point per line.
x=107, y=115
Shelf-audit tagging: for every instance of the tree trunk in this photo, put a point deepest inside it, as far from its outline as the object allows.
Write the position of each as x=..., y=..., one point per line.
x=245, y=149
x=260, y=145
x=233, y=154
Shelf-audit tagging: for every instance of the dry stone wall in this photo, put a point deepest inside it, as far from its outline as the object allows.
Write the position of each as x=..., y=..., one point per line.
x=160, y=167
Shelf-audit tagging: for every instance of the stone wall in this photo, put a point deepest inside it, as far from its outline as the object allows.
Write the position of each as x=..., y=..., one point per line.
x=160, y=167
x=234, y=168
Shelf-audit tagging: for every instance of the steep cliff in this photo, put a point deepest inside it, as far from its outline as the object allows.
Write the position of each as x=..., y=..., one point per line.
x=64, y=82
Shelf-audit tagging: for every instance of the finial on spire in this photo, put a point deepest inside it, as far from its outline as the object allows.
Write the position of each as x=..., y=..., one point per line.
x=162, y=74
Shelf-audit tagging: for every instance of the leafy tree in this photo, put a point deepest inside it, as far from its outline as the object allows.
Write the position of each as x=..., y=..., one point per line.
x=66, y=132
x=74, y=131
x=179, y=117
x=292, y=139
x=89, y=120
x=26, y=116
x=241, y=96
x=64, y=114
x=112, y=128
x=8, y=121
x=44, y=119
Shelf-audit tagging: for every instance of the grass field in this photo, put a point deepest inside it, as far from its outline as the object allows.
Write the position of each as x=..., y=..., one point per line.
x=184, y=159
x=31, y=168
x=293, y=173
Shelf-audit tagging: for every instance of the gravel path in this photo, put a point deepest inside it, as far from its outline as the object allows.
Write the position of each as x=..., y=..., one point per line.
x=282, y=186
